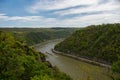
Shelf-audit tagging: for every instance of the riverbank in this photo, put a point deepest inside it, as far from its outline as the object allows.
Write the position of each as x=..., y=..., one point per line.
x=82, y=59
x=77, y=69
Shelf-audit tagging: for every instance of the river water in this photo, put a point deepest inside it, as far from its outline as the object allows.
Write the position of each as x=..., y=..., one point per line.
x=78, y=70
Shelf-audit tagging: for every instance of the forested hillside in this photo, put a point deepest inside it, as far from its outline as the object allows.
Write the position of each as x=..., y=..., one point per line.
x=96, y=42
x=36, y=35
x=21, y=62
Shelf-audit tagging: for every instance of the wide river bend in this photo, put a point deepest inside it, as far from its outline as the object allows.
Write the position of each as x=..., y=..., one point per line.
x=77, y=69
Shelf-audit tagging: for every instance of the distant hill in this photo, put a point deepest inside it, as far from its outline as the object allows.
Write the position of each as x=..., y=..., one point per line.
x=96, y=42
x=36, y=35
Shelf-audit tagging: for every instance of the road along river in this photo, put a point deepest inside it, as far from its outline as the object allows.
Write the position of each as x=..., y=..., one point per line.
x=77, y=69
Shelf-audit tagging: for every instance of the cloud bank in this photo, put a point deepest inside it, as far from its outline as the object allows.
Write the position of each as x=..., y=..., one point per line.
x=67, y=13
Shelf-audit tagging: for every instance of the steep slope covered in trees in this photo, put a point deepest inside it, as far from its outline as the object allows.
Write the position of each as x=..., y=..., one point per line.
x=100, y=43
x=21, y=62
x=36, y=35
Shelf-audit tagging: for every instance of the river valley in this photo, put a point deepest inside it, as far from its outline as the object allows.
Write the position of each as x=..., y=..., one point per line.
x=77, y=69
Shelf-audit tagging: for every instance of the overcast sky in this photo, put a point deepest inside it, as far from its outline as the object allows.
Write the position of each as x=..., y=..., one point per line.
x=58, y=13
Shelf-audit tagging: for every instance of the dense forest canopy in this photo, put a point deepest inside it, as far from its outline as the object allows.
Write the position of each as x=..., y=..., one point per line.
x=99, y=43
x=21, y=62
x=96, y=42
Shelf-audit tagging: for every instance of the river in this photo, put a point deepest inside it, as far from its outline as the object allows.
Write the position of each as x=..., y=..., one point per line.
x=77, y=69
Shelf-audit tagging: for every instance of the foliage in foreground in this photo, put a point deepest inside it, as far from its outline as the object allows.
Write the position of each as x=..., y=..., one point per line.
x=20, y=62
x=116, y=67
